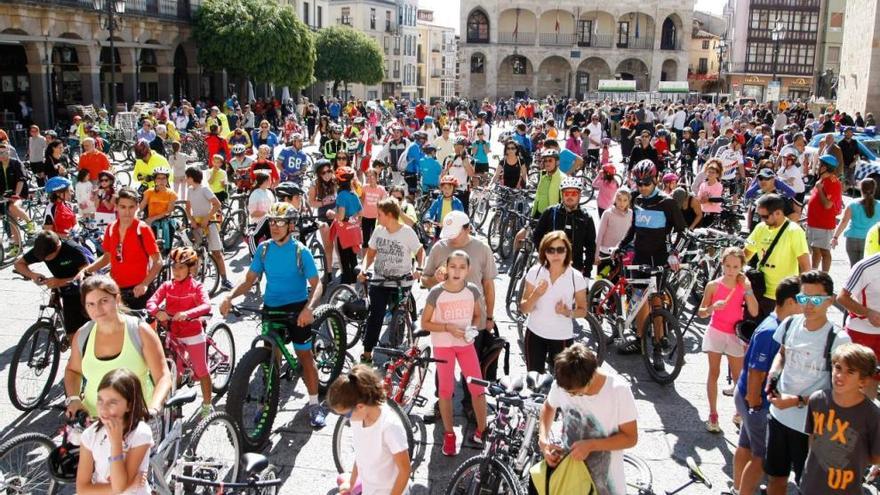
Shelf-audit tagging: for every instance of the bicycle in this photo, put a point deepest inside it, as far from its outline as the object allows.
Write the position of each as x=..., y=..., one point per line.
x=260, y=478
x=480, y=200
x=505, y=223
x=209, y=272
x=235, y=221
x=401, y=331
x=16, y=235
x=639, y=479
x=254, y=386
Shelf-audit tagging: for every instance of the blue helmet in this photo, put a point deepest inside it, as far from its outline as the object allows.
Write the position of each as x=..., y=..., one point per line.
x=57, y=183
x=830, y=161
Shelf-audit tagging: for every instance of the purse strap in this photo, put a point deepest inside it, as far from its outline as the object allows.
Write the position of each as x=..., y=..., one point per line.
x=773, y=244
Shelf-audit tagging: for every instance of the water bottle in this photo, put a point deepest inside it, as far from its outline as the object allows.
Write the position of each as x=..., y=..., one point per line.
x=470, y=333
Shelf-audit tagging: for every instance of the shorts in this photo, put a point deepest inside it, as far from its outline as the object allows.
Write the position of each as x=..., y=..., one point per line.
x=539, y=351
x=214, y=243
x=287, y=327
x=819, y=238
x=198, y=359
x=786, y=450
x=723, y=343
x=466, y=355
x=869, y=340
x=481, y=168
x=753, y=432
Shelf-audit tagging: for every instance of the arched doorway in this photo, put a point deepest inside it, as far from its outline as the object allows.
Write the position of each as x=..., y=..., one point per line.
x=478, y=27
x=14, y=79
x=181, y=81
x=554, y=76
x=633, y=69
x=669, y=71
x=515, y=76
x=589, y=73
x=148, y=76
x=670, y=33
x=66, y=80
x=108, y=64
x=478, y=73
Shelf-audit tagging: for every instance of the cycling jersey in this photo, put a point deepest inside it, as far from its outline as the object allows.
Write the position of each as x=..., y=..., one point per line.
x=654, y=217
x=429, y=169
x=331, y=147
x=292, y=163
x=143, y=170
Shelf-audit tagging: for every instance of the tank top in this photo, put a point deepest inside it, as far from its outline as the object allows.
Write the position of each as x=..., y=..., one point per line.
x=860, y=222
x=511, y=174
x=726, y=318
x=328, y=202
x=688, y=213
x=94, y=369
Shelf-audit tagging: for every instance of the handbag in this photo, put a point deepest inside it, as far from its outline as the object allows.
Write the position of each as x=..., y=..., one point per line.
x=755, y=275
x=349, y=234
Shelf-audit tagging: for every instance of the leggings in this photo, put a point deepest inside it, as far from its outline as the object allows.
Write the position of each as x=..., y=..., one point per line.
x=380, y=296
x=855, y=250
x=466, y=356
x=464, y=195
x=368, y=225
x=348, y=261
x=539, y=351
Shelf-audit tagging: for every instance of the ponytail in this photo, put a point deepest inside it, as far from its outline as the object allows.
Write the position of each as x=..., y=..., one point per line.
x=868, y=188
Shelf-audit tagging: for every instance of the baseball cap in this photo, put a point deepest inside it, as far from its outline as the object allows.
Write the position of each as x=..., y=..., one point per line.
x=766, y=173
x=452, y=224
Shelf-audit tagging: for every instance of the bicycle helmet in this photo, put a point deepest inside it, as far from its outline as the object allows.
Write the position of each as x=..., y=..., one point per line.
x=162, y=171
x=238, y=149
x=448, y=179
x=789, y=152
x=609, y=169
x=429, y=147
x=645, y=171
x=420, y=135
x=550, y=153
x=571, y=183
x=830, y=161
x=282, y=210
x=296, y=137
x=344, y=174
x=670, y=177
x=185, y=255
x=429, y=120
x=63, y=462
x=288, y=189
x=323, y=162
x=57, y=183
x=141, y=149
x=460, y=140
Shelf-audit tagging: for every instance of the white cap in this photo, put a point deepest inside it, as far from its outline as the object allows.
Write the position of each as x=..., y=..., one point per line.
x=452, y=224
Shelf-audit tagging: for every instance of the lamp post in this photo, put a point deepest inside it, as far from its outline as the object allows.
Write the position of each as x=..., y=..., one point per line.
x=111, y=9
x=720, y=49
x=776, y=34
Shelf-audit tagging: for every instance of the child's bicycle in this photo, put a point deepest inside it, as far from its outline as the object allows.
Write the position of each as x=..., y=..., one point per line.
x=254, y=386
x=258, y=478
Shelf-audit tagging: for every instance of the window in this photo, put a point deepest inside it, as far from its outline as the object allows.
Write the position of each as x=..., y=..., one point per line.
x=320, y=17
x=706, y=44
x=387, y=44
x=623, y=34
x=519, y=64
x=306, y=9
x=346, y=16
x=388, y=21
x=833, y=55
x=373, y=19
x=478, y=27
x=477, y=63
x=703, y=67
x=585, y=32
x=836, y=20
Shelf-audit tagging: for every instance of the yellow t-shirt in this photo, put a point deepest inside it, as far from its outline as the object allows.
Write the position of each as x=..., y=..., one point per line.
x=146, y=169
x=872, y=241
x=159, y=202
x=216, y=180
x=783, y=260
x=445, y=208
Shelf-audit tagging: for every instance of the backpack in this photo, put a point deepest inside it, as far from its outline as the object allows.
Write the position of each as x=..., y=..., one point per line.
x=489, y=347
x=132, y=324
x=264, y=248
x=568, y=477
x=829, y=342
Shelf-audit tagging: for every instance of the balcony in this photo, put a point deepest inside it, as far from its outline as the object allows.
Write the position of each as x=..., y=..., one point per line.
x=782, y=68
x=636, y=43
x=670, y=44
x=702, y=75
x=167, y=9
x=344, y=20
x=788, y=4
x=556, y=39
x=803, y=37
x=516, y=38
x=596, y=41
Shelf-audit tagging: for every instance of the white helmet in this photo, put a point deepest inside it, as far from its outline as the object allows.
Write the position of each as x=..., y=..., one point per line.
x=571, y=183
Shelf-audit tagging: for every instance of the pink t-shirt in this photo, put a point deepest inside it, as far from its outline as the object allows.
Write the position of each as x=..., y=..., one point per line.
x=712, y=192
x=607, y=189
x=371, y=198
x=454, y=308
x=726, y=318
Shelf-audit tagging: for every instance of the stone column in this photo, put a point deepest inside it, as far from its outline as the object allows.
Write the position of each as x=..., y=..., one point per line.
x=166, y=82
x=40, y=99
x=491, y=67
x=91, y=85
x=193, y=75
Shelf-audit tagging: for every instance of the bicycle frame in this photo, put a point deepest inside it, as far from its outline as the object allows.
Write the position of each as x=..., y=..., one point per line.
x=177, y=350
x=162, y=461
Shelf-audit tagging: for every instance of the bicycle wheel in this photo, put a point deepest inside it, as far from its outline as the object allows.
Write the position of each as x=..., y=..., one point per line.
x=495, y=232
x=479, y=210
x=638, y=476
x=34, y=365
x=13, y=240
x=23, y=465
x=508, y=237
x=209, y=274
x=483, y=475
x=318, y=254
x=343, y=448
x=664, y=358
x=123, y=177
x=221, y=357
x=232, y=229
x=178, y=214
x=515, y=289
x=328, y=344
x=406, y=395
x=587, y=193
x=268, y=474
x=605, y=305
x=253, y=397
x=592, y=336
x=214, y=451
x=341, y=294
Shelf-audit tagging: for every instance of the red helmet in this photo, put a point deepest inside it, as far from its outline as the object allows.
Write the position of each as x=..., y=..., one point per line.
x=609, y=169
x=448, y=179
x=344, y=174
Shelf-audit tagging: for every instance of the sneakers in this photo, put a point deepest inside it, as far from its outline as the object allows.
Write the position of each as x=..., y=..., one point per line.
x=317, y=416
x=30, y=228
x=478, y=437
x=367, y=359
x=449, y=444
x=13, y=251
x=712, y=425
x=728, y=392
x=737, y=420
x=225, y=284
x=206, y=410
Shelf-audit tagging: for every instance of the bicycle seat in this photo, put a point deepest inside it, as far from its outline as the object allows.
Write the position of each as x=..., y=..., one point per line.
x=696, y=473
x=181, y=397
x=539, y=383
x=254, y=463
x=421, y=333
x=356, y=310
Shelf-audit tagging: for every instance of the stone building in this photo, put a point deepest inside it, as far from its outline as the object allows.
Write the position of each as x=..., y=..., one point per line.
x=704, y=70
x=437, y=54
x=566, y=48
x=858, y=88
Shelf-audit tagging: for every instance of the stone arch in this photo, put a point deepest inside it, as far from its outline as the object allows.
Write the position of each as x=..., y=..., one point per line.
x=589, y=73
x=548, y=35
x=180, y=81
x=634, y=69
x=478, y=26
x=669, y=70
x=554, y=76
x=13, y=69
x=517, y=26
x=671, y=33
x=477, y=64
x=148, y=74
x=595, y=28
x=637, y=32
x=515, y=75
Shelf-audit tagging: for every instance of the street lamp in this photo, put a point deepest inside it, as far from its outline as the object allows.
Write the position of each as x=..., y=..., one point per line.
x=776, y=34
x=720, y=49
x=111, y=9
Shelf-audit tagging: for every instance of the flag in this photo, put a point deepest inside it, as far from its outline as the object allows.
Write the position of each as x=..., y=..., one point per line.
x=516, y=26
x=637, y=26
x=557, y=21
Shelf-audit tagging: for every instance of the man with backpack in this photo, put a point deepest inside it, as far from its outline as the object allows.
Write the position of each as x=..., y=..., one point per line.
x=802, y=366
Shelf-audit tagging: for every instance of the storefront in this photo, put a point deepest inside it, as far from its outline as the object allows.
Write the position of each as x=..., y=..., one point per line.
x=755, y=86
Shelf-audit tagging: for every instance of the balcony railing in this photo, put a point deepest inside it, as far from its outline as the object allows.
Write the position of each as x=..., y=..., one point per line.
x=670, y=45
x=782, y=68
x=556, y=39
x=596, y=41
x=169, y=9
x=787, y=37
x=344, y=20
x=636, y=43
x=516, y=38
x=788, y=4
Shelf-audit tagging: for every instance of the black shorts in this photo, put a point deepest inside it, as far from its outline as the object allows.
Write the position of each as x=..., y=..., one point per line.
x=481, y=168
x=786, y=450
x=412, y=182
x=539, y=351
x=287, y=327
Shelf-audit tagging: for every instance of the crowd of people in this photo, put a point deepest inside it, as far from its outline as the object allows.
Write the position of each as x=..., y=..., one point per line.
x=804, y=388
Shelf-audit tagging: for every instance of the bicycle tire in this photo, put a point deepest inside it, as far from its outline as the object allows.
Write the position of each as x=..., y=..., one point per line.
x=23, y=465
x=480, y=209
x=471, y=476
x=515, y=290
x=227, y=473
x=209, y=274
x=639, y=479
x=123, y=177
x=593, y=337
x=264, y=395
x=606, y=307
x=328, y=344
x=222, y=366
x=338, y=296
x=268, y=474
x=675, y=354
x=232, y=229
x=417, y=373
x=508, y=237
x=318, y=253
x=40, y=338
x=179, y=215
x=343, y=450
x=587, y=193
x=493, y=236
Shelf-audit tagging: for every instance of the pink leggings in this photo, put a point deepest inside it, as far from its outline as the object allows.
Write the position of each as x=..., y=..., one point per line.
x=466, y=355
x=198, y=358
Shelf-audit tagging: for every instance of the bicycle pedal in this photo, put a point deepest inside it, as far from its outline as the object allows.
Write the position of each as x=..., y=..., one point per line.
x=419, y=401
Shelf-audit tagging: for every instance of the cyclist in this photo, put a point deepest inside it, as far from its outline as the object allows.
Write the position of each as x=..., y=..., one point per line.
x=264, y=162
x=458, y=165
x=445, y=203
x=824, y=205
x=322, y=198
x=202, y=210
x=348, y=211
x=548, y=192
x=157, y=206
x=512, y=171
x=292, y=160
x=412, y=158
x=768, y=184
x=655, y=216
x=408, y=215
x=290, y=274
x=14, y=186
x=569, y=161
x=571, y=219
x=334, y=144
x=264, y=137
x=147, y=161
x=92, y=159
x=259, y=202
x=391, y=250
x=429, y=169
x=60, y=216
x=64, y=259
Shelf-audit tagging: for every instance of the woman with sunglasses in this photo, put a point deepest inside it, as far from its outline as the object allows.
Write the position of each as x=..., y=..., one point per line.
x=264, y=136
x=512, y=172
x=555, y=294
x=322, y=197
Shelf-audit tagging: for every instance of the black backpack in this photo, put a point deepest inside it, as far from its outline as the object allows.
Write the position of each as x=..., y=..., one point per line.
x=489, y=346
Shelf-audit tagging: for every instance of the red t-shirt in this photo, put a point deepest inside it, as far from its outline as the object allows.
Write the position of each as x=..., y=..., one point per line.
x=129, y=265
x=61, y=217
x=817, y=215
x=95, y=162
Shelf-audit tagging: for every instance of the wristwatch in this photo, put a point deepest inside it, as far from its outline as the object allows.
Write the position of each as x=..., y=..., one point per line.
x=801, y=402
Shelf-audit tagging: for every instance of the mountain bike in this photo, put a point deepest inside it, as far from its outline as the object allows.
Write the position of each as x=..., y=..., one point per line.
x=254, y=386
x=639, y=478
x=259, y=478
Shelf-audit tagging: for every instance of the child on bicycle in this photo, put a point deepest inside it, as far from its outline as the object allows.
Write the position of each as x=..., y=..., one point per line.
x=381, y=451
x=114, y=451
x=186, y=299
x=606, y=185
x=451, y=314
x=445, y=203
x=723, y=300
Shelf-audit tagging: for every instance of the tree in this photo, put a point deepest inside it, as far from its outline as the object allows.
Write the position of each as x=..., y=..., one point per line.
x=258, y=39
x=348, y=55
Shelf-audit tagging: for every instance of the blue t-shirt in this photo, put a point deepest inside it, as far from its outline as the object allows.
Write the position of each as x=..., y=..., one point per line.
x=334, y=109
x=430, y=169
x=566, y=160
x=285, y=284
x=480, y=155
x=759, y=356
x=292, y=162
x=349, y=201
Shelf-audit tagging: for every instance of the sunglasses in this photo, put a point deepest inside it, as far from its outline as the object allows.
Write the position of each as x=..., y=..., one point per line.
x=763, y=217
x=327, y=172
x=766, y=178
x=804, y=299
x=644, y=183
x=571, y=192
x=278, y=222
x=557, y=250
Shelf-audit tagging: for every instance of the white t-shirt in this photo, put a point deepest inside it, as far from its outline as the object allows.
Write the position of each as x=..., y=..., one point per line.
x=544, y=321
x=394, y=252
x=598, y=416
x=729, y=159
x=805, y=371
x=99, y=445
x=793, y=177
x=178, y=162
x=84, y=197
x=864, y=286
x=199, y=198
x=260, y=201
x=374, y=447
x=457, y=170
